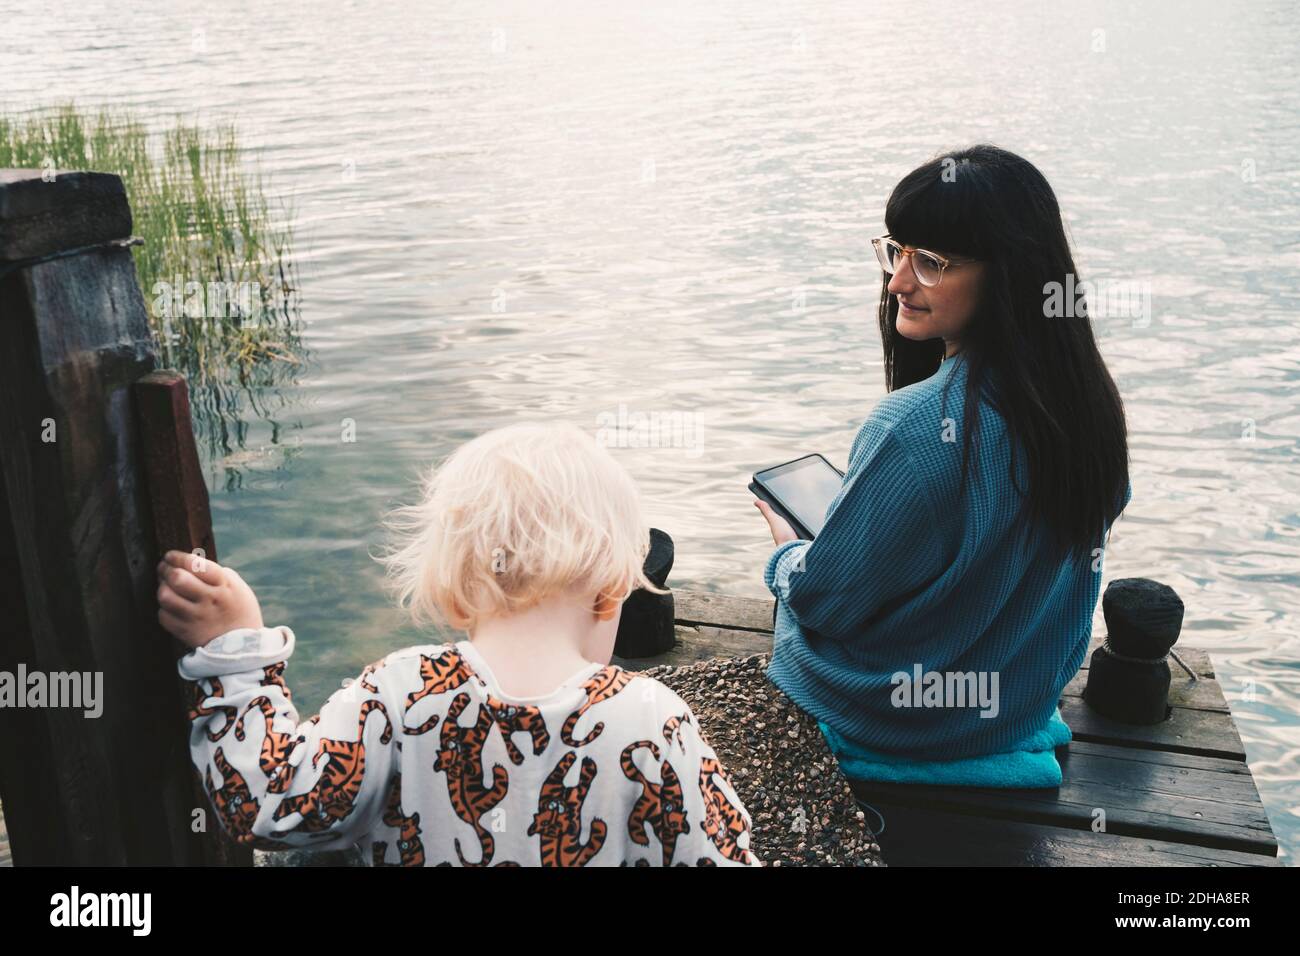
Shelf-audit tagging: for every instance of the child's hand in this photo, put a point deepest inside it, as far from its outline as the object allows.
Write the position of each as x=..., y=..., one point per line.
x=199, y=600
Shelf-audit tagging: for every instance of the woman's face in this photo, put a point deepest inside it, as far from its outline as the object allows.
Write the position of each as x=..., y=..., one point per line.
x=941, y=311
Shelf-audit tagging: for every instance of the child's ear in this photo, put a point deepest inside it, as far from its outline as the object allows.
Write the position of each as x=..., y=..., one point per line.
x=456, y=617
x=606, y=607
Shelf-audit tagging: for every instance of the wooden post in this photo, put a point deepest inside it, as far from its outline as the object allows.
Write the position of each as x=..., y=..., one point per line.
x=77, y=543
x=179, y=499
x=182, y=521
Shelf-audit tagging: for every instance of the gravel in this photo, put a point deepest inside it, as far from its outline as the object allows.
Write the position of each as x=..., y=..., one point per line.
x=804, y=813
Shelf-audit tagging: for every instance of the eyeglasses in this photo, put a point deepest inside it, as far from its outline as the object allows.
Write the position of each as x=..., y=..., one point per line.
x=927, y=266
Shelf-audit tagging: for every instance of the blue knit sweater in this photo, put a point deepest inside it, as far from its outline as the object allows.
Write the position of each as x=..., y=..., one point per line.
x=908, y=578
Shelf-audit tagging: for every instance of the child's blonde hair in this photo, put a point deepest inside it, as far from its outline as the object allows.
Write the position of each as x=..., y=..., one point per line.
x=514, y=516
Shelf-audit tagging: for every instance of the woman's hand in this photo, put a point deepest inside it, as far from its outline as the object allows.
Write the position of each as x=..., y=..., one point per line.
x=199, y=600
x=781, y=530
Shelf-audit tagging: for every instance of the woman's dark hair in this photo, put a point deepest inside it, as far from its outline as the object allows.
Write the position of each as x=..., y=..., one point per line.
x=1041, y=371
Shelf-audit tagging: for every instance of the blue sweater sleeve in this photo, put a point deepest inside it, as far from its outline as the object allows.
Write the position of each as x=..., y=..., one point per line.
x=882, y=541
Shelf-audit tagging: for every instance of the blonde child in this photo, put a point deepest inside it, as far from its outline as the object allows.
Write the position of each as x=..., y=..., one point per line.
x=519, y=746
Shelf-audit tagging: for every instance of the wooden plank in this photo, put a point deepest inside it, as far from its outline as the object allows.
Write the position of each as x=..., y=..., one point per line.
x=182, y=521
x=1208, y=732
x=928, y=837
x=1173, y=797
x=178, y=496
x=41, y=215
x=722, y=610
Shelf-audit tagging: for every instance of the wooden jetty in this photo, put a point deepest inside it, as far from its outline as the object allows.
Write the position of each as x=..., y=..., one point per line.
x=1177, y=793
x=87, y=508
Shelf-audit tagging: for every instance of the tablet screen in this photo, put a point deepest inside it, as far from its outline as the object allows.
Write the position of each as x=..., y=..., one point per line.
x=806, y=488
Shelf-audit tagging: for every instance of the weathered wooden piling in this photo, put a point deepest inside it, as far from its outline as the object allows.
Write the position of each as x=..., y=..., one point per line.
x=78, y=545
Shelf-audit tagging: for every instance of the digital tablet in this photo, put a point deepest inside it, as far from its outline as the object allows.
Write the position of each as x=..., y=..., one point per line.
x=800, y=491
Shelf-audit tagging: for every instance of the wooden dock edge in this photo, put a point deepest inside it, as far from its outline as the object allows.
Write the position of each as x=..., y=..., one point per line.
x=1219, y=822
x=715, y=625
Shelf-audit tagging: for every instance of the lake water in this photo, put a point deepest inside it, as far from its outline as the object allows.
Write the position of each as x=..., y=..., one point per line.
x=577, y=210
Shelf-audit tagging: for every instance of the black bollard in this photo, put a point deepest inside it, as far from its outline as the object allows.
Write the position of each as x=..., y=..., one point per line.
x=646, y=626
x=1128, y=679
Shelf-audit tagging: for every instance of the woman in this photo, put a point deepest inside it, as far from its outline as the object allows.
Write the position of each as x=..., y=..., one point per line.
x=967, y=539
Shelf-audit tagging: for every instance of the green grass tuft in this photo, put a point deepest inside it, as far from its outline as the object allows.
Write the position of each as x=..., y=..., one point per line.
x=208, y=230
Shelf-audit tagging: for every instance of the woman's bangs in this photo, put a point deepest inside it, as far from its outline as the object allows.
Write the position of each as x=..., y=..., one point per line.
x=932, y=214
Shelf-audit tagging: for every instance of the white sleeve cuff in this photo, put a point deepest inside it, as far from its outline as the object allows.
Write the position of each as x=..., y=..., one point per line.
x=243, y=649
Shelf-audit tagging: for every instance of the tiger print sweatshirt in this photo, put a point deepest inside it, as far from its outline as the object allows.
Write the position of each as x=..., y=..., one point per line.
x=423, y=761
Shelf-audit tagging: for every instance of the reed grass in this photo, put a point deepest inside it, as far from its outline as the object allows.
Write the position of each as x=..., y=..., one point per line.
x=204, y=217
